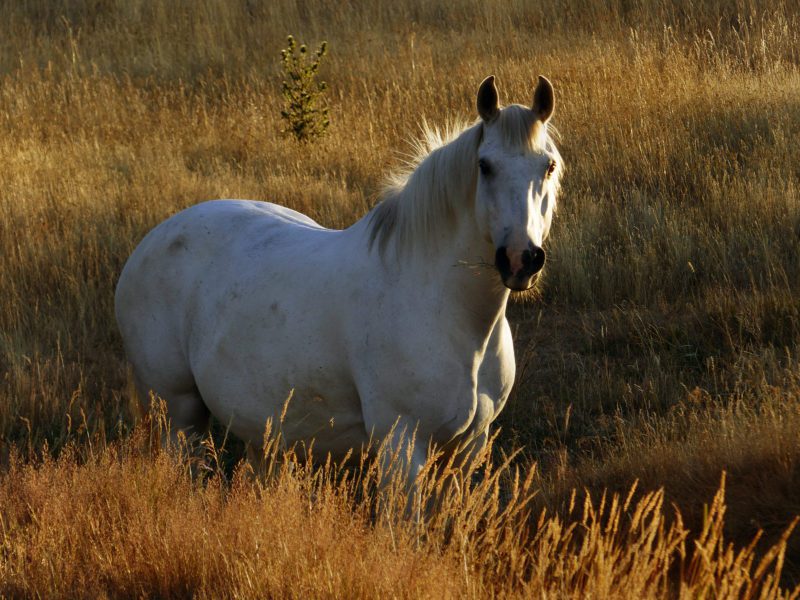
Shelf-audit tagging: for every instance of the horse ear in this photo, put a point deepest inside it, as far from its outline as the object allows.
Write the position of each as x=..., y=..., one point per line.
x=488, y=101
x=543, y=99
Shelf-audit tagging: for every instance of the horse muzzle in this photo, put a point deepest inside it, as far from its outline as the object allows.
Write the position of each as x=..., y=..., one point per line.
x=519, y=270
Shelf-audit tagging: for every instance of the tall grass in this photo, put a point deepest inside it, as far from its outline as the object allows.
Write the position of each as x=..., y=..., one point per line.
x=130, y=520
x=663, y=343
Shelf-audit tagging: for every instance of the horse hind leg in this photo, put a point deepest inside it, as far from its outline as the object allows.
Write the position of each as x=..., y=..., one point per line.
x=188, y=413
x=185, y=410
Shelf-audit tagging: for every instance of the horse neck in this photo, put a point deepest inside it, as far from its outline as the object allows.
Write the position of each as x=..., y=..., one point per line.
x=448, y=253
x=452, y=268
x=462, y=269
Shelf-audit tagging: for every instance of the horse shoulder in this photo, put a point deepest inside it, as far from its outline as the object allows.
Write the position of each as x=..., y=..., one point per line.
x=409, y=365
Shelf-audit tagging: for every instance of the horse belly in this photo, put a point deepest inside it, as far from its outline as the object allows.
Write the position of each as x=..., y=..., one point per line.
x=332, y=419
x=259, y=371
x=275, y=352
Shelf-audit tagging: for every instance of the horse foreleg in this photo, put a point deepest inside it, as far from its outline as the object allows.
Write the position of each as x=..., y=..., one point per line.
x=471, y=452
x=402, y=458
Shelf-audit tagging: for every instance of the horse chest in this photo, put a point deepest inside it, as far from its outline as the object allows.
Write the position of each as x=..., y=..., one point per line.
x=494, y=384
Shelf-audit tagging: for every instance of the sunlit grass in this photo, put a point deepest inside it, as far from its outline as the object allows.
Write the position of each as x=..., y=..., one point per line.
x=133, y=519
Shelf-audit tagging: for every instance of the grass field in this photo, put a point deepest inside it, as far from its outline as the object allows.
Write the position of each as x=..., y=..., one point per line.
x=662, y=347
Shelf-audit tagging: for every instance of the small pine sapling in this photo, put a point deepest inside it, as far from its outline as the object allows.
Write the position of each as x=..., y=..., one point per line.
x=305, y=111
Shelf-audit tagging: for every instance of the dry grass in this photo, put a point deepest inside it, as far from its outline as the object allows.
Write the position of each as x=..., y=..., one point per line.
x=131, y=520
x=663, y=346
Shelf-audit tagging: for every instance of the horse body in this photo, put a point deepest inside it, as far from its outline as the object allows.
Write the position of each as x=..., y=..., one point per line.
x=356, y=343
x=230, y=306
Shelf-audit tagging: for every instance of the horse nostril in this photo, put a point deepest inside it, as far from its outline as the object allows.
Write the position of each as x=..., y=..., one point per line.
x=501, y=260
x=523, y=265
x=533, y=259
x=527, y=257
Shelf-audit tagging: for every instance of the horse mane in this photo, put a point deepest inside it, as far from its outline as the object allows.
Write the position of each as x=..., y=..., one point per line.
x=441, y=175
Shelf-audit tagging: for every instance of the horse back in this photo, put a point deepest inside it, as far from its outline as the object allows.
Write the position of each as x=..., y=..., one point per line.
x=239, y=300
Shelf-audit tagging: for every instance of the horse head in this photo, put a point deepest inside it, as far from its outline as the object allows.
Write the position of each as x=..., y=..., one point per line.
x=518, y=173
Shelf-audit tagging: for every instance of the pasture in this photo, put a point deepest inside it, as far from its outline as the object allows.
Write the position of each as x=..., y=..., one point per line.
x=659, y=350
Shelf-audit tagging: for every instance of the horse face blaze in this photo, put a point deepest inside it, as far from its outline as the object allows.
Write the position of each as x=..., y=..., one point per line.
x=515, y=202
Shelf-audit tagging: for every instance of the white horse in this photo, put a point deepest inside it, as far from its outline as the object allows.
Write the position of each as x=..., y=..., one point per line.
x=395, y=324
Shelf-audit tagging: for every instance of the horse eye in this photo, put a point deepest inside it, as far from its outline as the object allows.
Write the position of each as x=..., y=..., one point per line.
x=551, y=168
x=485, y=167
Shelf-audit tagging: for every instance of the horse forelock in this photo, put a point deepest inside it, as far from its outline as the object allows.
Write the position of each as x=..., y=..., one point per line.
x=522, y=130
